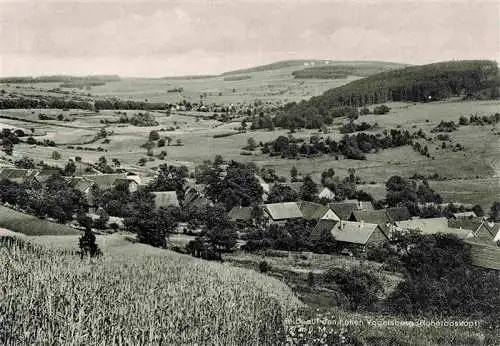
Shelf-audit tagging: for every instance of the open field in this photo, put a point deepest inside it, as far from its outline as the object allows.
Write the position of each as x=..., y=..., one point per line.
x=161, y=283
x=471, y=169
x=31, y=225
x=158, y=297
x=266, y=83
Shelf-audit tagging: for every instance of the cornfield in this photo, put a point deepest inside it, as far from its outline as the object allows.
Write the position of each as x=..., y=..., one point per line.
x=135, y=295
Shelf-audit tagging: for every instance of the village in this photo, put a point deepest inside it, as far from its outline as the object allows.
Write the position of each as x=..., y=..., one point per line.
x=355, y=225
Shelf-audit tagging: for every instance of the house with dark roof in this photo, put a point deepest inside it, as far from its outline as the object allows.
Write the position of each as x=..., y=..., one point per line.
x=358, y=235
x=398, y=213
x=343, y=209
x=322, y=226
x=482, y=231
x=282, y=212
x=377, y=217
x=164, y=199
x=316, y=211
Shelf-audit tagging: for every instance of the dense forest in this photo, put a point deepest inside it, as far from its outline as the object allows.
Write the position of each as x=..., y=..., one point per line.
x=335, y=70
x=416, y=84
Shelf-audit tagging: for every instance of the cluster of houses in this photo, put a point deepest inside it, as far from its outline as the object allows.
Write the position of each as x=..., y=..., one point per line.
x=358, y=224
x=355, y=223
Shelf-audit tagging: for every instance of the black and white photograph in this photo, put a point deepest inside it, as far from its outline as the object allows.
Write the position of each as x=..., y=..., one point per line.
x=250, y=172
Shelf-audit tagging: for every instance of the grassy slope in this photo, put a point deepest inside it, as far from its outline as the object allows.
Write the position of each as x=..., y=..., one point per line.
x=181, y=282
x=31, y=225
x=137, y=295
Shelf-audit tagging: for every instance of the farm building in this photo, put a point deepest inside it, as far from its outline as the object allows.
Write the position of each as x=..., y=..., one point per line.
x=316, y=211
x=130, y=184
x=358, y=234
x=376, y=217
x=398, y=213
x=194, y=197
x=344, y=209
x=18, y=175
x=282, y=212
x=326, y=193
x=105, y=181
x=323, y=225
x=464, y=215
x=165, y=199
x=432, y=226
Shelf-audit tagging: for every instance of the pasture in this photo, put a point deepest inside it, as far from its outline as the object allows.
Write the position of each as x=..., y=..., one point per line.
x=470, y=170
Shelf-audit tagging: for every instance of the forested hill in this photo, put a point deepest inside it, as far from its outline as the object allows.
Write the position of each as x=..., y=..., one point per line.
x=415, y=83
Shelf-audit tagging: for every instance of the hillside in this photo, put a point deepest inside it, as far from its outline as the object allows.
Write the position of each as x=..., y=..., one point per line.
x=135, y=295
x=416, y=84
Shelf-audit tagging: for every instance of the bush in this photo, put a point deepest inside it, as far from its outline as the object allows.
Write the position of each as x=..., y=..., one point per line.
x=360, y=287
x=264, y=267
x=383, y=109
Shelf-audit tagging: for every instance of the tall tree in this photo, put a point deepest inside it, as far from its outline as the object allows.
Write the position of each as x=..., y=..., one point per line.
x=309, y=189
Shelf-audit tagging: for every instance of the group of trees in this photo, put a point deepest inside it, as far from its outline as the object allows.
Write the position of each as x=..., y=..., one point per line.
x=440, y=278
x=45, y=101
x=351, y=127
x=351, y=146
x=54, y=199
x=409, y=193
x=230, y=183
x=479, y=120
x=9, y=139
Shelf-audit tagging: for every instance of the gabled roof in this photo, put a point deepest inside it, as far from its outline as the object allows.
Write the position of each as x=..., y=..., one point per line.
x=165, y=199
x=105, y=181
x=378, y=217
x=398, y=213
x=322, y=226
x=241, y=213
x=494, y=228
x=283, y=211
x=326, y=193
x=125, y=181
x=17, y=174
x=465, y=214
x=295, y=186
x=426, y=226
x=365, y=205
x=354, y=232
x=312, y=211
x=344, y=209
x=497, y=237
x=469, y=224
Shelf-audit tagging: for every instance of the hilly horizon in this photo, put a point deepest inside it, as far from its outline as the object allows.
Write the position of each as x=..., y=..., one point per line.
x=299, y=63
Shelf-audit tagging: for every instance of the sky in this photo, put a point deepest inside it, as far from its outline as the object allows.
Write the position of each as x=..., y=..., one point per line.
x=191, y=37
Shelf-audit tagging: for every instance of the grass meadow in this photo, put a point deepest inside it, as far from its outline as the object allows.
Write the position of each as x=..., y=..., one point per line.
x=31, y=225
